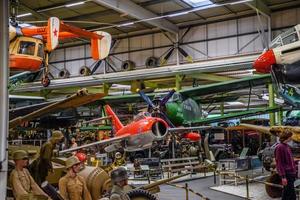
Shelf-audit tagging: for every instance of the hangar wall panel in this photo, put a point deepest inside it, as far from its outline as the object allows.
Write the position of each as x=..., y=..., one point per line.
x=227, y=38
x=161, y=40
x=75, y=52
x=250, y=43
x=221, y=29
x=140, y=57
x=222, y=47
x=121, y=46
x=197, y=50
x=195, y=33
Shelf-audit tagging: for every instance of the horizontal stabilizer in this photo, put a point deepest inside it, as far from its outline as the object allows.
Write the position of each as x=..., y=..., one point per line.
x=100, y=47
x=52, y=33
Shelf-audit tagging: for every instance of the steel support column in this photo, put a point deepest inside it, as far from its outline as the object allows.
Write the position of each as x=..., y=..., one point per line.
x=271, y=103
x=3, y=96
x=279, y=117
x=222, y=108
x=178, y=82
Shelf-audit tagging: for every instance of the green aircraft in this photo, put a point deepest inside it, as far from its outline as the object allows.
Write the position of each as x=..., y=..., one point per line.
x=184, y=107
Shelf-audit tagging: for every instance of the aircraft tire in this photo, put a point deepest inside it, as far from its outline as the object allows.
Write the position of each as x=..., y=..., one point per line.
x=84, y=71
x=139, y=194
x=152, y=62
x=128, y=65
x=64, y=74
x=45, y=81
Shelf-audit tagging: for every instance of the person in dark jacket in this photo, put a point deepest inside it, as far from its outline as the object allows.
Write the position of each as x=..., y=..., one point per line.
x=285, y=165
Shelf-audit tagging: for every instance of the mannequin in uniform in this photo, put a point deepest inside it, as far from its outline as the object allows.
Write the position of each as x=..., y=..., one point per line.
x=119, y=179
x=73, y=186
x=119, y=160
x=42, y=165
x=23, y=185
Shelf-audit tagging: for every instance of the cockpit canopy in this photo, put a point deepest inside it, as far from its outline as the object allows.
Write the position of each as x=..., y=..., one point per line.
x=141, y=115
x=287, y=37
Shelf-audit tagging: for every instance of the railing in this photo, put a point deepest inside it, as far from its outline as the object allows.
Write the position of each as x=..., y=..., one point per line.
x=35, y=142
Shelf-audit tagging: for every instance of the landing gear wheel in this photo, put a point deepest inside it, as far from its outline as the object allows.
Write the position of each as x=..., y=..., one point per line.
x=45, y=81
x=139, y=194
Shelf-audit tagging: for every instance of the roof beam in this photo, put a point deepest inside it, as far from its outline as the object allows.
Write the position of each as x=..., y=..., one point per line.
x=41, y=16
x=260, y=6
x=138, y=12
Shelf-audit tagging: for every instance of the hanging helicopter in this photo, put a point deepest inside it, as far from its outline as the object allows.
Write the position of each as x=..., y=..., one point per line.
x=282, y=60
x=30, y=45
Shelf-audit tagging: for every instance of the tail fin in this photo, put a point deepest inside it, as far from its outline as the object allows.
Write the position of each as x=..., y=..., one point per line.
x=117, y=124
x=100, y=47
x=52, y=33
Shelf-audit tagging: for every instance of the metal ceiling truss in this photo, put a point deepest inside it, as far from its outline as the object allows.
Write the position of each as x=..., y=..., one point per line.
x=138, y=12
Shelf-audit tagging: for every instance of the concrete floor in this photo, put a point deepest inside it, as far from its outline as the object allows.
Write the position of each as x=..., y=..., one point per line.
x=200, y=185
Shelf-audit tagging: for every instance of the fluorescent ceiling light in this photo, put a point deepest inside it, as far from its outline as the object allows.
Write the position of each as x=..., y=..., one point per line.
x=178, y=14
x=196, y=3
x=24, y=15
x=126, y=24
x=75, y=4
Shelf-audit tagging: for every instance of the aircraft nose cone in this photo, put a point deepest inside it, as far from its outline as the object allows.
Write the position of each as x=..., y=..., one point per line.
x=264, y=62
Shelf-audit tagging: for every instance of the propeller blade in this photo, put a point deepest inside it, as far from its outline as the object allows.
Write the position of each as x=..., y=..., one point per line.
x=165, y=117
x=146, y=98
x=185, y=54
x=165, y=59
x=167, y=97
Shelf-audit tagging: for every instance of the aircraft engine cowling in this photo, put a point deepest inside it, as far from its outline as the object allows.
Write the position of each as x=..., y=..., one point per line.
x=159, y=130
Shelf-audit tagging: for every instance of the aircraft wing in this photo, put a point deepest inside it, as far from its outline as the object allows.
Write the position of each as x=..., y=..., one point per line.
x=183, y=129
x=102, y=142
x=227, y=86
x=76, y=100
x=24, y=110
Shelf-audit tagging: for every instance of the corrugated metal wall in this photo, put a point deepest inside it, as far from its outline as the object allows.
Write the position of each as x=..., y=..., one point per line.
x=201, y=42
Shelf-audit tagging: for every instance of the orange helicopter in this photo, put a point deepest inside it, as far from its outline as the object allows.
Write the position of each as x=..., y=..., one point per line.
x=30, y=45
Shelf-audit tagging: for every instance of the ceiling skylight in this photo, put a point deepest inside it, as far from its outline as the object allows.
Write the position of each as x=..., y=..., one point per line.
x=197, y=3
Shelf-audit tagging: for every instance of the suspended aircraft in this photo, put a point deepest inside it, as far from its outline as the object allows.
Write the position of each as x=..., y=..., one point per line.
x=140, y=133
x=30, y=45
x=183, y=107
x=66, y=109
x=282, y=60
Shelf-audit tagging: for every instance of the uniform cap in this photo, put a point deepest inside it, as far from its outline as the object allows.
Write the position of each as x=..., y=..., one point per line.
x=119, y=174
x=70, y=162
x=20, y=155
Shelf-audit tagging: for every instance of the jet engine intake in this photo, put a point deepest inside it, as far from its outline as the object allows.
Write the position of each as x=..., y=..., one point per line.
x=159, y=130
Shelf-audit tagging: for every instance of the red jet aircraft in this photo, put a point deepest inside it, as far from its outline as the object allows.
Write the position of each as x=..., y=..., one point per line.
x=140, y=133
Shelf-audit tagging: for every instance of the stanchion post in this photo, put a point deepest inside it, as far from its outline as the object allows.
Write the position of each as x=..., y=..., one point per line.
x=215, y=178
x=247, y=187
x=186, y=192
